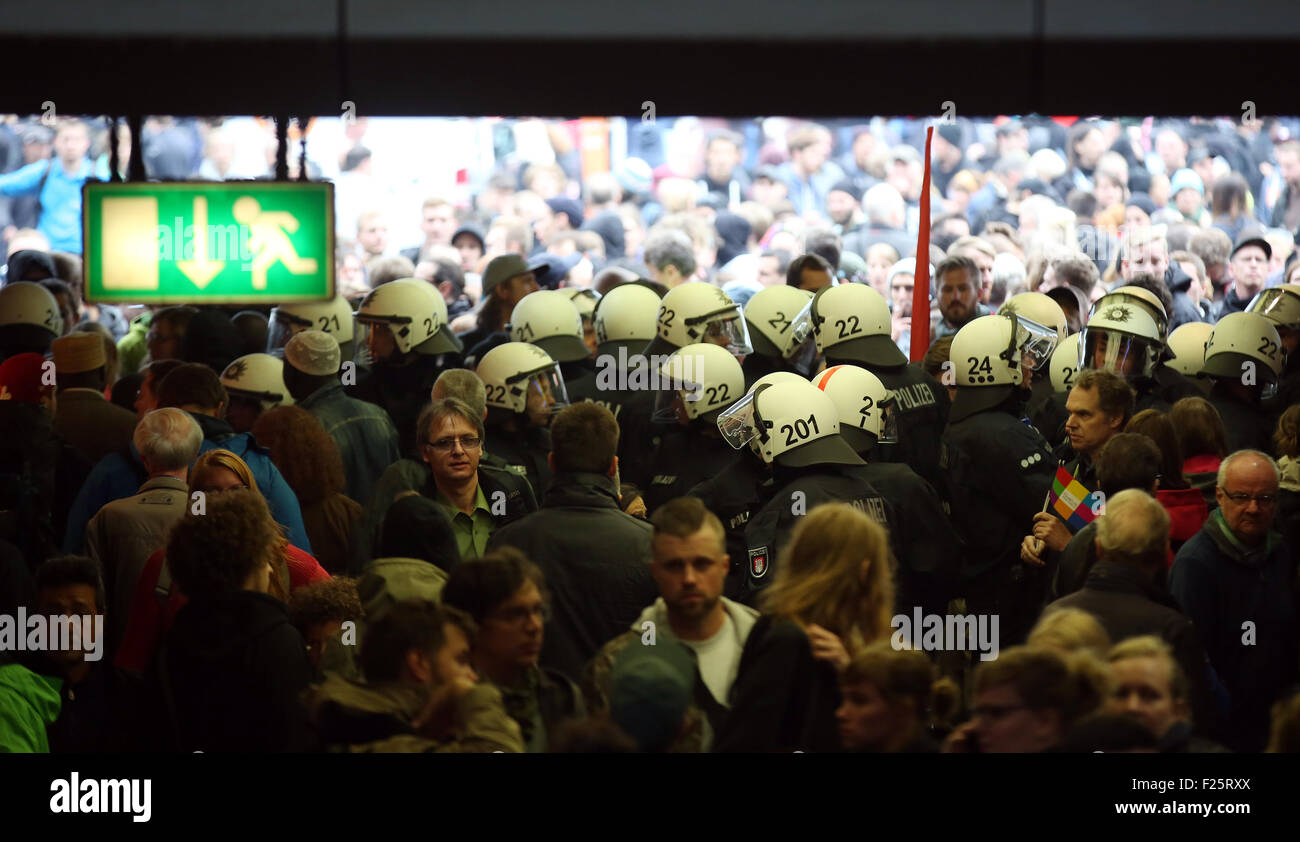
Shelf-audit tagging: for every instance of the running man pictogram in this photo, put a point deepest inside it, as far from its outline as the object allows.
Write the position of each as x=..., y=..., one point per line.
x=268, y=240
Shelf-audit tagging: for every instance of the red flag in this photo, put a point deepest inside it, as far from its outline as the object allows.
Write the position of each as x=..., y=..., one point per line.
x=921, y=293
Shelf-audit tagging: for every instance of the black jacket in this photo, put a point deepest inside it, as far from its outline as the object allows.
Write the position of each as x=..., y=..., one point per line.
x=685, y=457
x=923, y=405
x=402, y=391
x=1185, y=311
x=1128, y=605
x=234, y=666
x=1245, y=426
x=784, y=700
x=522, y=452
x=596, y=562
x=772, y=525
x=735, y=494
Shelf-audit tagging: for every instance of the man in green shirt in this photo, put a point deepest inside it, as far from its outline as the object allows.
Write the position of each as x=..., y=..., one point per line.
x=475, y=499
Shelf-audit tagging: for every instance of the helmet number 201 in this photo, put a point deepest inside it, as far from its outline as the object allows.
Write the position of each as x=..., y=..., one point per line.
x=801, y=429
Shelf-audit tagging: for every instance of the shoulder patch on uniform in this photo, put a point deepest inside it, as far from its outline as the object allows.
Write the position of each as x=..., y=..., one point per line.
x=758, y=562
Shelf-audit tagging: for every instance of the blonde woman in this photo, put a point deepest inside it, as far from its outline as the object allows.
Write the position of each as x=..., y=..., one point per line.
x=832, y=595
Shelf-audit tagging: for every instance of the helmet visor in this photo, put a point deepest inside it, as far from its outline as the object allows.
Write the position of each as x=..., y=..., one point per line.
x=1036, y=342
x=1278, y=306
x=889, y=425
x=1110, y=350
x=282, y=328
x=726, y=328
x=738, y=423
x=543, y=390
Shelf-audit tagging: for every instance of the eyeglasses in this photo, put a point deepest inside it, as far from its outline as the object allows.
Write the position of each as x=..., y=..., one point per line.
x=1241, y=498
x=446, y=445
x=519, y=616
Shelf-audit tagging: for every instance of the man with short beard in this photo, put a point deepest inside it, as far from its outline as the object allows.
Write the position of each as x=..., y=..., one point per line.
x=689, y=564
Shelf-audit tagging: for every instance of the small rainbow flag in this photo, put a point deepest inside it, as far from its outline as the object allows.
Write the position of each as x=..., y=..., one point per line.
x=1071, y=501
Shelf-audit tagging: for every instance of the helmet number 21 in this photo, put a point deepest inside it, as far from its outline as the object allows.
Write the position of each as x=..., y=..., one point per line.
x=801, y=429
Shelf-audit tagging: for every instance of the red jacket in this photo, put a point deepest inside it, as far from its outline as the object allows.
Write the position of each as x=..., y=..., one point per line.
x=150, y=618
x=1187, y=513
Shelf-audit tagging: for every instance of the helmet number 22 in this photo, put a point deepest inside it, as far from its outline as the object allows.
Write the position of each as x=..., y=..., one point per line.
x=843, y=324
x=801, y=429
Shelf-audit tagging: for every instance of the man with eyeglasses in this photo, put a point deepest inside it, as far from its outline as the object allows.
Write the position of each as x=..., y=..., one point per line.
x=592, y=553
x=1235, y=580
x=506, y=596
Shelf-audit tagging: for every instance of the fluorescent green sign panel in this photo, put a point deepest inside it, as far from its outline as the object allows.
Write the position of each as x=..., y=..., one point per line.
x=246, y=242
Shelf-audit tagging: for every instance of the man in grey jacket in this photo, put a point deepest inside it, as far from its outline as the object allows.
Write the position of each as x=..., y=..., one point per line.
x=124, y=533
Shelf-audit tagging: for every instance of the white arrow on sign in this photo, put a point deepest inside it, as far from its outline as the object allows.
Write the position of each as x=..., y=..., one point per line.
x=200, y=270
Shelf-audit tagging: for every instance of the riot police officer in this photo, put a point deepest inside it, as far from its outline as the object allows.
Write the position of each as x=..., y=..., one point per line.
x=1124, y=336
x=1187, y=345
x=254, y=383
x=770, y=316
x=410, y=345
x=624, y=321
x=524, y=391
x=1046, y=407
x=334, y=317
x=735, y=493
x=29, y=319
x=703, y=380
x=794, y=428
x=999, y=470
x=1243, y=357
x=923, y=541
x=1281, y=306
x=549, y=320
x=851, y=325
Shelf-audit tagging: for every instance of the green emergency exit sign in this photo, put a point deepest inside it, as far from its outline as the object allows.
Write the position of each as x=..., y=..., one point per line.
x=247, y=242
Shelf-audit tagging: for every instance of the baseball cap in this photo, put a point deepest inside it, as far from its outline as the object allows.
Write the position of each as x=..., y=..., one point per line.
x=78, y=352
x=1252, y=237
x=571, y=208
x=473, y=230
x=313, y=352
x=502, y=268
x=846, y=185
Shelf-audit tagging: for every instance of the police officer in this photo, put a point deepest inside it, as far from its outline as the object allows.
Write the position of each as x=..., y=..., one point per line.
x=549, y=320
x=334, y=317
x=794, y=428
x=410, y=345
x=850, y=325
x=923, y=541
x=1063, y=370
x=585, y=300
x=524, y=391
x=1124, y=336
x=705, y=379
x=624, y=321
x=689, y=313
x=254, y=383
x=1281, y=306
x=735, y=493
x=1187, y=347
x=999, y=470
x=1046, y=407
x=1243, y=357
x=1170, y=385
x=29, y=319
x=770, y=316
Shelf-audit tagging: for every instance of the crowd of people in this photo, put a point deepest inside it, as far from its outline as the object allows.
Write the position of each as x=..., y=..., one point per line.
x=634, y=459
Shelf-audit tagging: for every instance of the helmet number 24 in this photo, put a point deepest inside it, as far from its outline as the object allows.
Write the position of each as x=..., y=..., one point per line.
x=801, y=429
x=977, y=365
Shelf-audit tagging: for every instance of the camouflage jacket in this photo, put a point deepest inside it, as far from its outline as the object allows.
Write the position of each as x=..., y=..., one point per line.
x=705, y=714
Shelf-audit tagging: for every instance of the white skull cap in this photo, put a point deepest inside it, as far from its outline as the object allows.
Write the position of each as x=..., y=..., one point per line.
x=313, y=352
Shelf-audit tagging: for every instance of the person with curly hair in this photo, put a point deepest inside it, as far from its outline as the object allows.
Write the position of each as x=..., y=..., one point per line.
x=232, y=666
x=158, y=599
x=309, y=460
x=319, y=611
